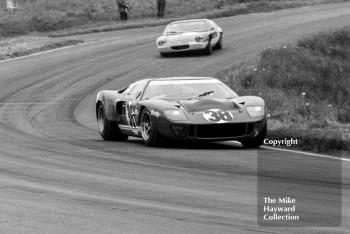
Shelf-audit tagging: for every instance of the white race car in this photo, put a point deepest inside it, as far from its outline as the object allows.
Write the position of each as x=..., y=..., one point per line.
x=188, y=35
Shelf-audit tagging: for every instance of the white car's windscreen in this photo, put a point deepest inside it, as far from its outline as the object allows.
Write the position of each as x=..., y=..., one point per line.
x=187, y=89
x=192, y=26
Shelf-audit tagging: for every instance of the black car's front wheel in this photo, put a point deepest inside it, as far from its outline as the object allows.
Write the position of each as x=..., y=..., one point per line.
x=109, y=130
x=257, y=141
x=149, y=134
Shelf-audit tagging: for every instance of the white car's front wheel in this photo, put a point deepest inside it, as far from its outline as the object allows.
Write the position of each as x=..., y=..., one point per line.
x=208, y=49
x=220, y=43
x=163, y=54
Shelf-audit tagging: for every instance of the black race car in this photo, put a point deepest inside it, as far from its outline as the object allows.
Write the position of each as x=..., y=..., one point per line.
x=180, y=108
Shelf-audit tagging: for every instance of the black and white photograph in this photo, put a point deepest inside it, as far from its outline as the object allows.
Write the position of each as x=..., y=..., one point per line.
x=174, y=116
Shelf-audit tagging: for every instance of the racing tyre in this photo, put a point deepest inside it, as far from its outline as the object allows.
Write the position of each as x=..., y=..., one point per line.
x=208, y=50
x=218, y=45
x=109, y=130
x=257, y=141
x=149, y=134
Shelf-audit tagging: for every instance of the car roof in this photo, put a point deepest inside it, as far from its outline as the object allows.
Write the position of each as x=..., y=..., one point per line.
x=183, y=78
x=176, y=78
x=190, y=20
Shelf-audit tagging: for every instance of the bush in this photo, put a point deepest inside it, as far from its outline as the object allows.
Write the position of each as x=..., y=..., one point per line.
x=335, y=44
x=307, y=68
x=305, y=86
x=52, y=15
x=12, y=27
x=343, y=115
x=314, y=140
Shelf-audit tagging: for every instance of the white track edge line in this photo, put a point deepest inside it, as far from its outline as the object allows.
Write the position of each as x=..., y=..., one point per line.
x=307, y=153
x=47, y=51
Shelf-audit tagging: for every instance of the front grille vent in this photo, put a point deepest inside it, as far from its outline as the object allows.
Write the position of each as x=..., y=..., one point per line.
x=181, y=47
x=221, y=130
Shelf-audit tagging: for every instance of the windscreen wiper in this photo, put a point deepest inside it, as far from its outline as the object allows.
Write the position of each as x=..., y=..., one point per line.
x=202, y=95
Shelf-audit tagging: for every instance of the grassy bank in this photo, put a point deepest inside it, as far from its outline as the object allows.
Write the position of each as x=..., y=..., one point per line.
x=50, y=15
x=22, y=46
x=306, y=87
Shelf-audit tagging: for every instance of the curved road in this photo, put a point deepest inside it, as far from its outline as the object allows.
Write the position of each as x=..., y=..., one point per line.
x=58, y=176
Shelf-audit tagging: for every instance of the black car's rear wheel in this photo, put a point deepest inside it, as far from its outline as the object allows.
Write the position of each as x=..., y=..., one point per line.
x=257, y=141
x=149, y=134
x=109, y=130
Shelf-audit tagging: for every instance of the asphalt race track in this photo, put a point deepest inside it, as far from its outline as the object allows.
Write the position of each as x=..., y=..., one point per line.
x=58, y=176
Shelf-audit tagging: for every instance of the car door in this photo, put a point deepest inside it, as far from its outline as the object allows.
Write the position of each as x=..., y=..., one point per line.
x=131, y=106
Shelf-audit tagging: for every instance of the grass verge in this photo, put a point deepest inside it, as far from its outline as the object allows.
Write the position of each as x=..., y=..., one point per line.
x=232, y=9
x=101, y=15
x=306, y=87
x=30, y=47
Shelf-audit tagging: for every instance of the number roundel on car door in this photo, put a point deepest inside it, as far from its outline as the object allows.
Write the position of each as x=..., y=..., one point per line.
x=218, y=116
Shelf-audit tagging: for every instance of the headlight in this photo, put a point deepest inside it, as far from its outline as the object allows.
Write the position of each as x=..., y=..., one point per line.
x=161, y=42
x=255, y=111
x=175, y=115
x=200, y=39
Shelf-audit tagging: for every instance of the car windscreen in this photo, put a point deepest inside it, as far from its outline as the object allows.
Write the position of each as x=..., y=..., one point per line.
x=187, y=89
x=191, y=26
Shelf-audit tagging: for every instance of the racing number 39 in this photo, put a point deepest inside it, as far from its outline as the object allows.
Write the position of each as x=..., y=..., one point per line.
x=218, y=116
